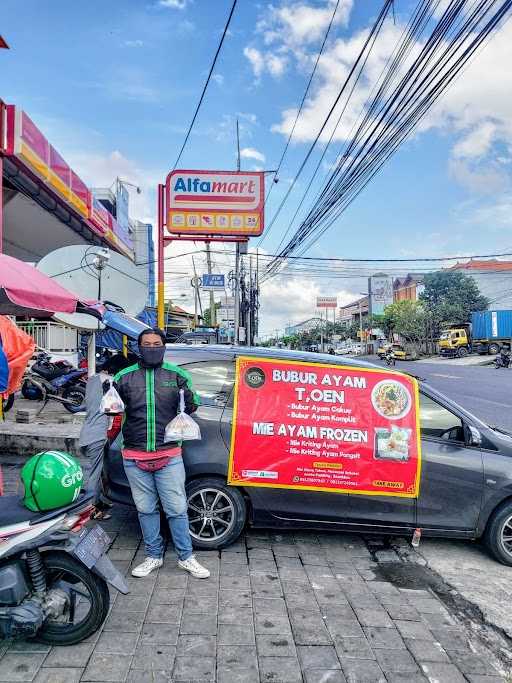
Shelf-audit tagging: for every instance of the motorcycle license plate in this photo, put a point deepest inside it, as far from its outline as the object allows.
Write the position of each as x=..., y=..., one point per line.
x=93, y=544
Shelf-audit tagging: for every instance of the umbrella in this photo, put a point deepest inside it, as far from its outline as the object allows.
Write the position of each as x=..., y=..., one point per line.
x=24, y=290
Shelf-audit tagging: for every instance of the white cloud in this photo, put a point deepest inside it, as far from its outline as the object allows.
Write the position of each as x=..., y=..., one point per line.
x=174, y=4
x=482, y=178
x=251, y=153
x=218, y=78
x=133, y=43
x=256, y=59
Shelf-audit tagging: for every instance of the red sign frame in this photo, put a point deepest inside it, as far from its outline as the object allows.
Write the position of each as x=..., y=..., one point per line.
x=337, y=438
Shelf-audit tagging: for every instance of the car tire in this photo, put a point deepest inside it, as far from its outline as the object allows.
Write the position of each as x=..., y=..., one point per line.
x=206, y=496
x=500, y=521
x=462, y=352
x=494, y=349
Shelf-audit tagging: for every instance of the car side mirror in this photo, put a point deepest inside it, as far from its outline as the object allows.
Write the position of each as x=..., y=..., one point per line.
x=472, y=436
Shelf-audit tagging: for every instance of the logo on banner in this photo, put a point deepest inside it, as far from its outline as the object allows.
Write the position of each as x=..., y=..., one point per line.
x=254, y=378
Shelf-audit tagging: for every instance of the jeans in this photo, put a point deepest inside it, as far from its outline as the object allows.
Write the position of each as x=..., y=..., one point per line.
x=167, y=486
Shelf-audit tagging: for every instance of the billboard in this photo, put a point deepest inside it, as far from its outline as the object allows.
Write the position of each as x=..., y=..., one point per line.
x=224, y=203
x=381, y=293
x=323, y=427
x=327, y=302
x=122, y=199
x=213, y=282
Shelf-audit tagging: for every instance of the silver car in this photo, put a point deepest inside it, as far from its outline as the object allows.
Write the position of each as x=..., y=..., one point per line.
x=465, y=489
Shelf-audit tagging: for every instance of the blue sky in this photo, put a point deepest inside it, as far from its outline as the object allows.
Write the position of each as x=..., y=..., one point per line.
x=114, y=84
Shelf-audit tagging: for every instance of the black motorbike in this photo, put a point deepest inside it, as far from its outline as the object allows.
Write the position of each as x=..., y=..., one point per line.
x=390, y=358
x=53, y=573
x=503, y=360
x=55, y=380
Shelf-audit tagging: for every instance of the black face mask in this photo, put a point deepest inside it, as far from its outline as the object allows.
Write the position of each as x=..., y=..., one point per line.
x=151, y=356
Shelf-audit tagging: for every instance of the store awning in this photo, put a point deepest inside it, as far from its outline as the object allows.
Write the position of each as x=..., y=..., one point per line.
x=24, y=290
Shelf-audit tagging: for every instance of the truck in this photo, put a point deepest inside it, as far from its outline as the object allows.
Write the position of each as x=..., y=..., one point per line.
x=486, y=333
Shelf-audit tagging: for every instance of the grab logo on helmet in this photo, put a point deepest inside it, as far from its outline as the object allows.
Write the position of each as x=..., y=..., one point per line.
x=72, y=479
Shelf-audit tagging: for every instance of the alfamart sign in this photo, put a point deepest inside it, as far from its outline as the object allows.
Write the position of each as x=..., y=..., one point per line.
x=227, y=203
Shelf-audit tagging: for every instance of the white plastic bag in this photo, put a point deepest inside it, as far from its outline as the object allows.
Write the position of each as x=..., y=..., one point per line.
x=182, y=427
x=111, y=403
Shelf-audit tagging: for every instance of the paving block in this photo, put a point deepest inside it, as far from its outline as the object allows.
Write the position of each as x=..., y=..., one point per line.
x=270, y=606
x=107, y=668
x=148, y=676
x=73, y=656
x=237, y=655
x=165, y=634
x=129, y=622
x=237, y=674
x=199, y=624
x=200, y=604
x=154, y=656
x=447, y=673
x=374, y=617
x=234, y=599
x=235, y=634
x=344, y=628
x=387, y=638
x=451, y=639
x=318, y=657
x=309, y=628
x=275, y=646
x=403, y=612
x=191, y=669
x=236, y=615
x=471, y=663
x=20, y=666
x=120, y=643
x=61, y=675
x=360, y=671
x=196, y=646
x=427, y=651
x=282, y=669
x=324, y=676
x=353, y=648
x=414, y=630
x=266, y=624
x=396, y=661
x=164, y=614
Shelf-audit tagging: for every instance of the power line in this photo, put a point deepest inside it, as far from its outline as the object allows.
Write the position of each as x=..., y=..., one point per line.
x=299, y=111
x=226, y=27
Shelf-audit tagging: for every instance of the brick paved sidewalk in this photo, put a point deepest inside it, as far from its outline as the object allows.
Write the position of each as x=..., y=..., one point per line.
x=277, y=609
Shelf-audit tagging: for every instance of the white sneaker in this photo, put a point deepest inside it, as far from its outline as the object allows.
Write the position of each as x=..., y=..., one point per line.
x=147, y=566
x=192, y=566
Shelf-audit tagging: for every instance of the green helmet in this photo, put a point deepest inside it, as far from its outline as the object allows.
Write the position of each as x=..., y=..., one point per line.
x=52, y=479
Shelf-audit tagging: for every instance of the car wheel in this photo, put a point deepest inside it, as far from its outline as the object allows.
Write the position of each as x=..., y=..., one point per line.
x=217, y=513
x=494, y=349
x=463, y=352
x=498, y=536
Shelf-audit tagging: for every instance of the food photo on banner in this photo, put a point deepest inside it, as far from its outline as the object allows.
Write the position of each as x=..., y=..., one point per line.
x=325, y=427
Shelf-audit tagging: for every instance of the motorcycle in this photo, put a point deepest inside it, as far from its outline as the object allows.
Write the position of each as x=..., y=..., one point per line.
x=503, y=360
x=58, y=381
x=53, y=573
x=390, y=359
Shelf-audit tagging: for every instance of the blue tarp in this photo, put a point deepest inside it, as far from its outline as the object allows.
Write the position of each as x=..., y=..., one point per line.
x=4, y=370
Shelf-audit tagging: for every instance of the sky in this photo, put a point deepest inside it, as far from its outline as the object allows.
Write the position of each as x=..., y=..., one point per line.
x=113, y=85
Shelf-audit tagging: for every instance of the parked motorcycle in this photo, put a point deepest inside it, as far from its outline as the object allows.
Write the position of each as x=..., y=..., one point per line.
x=502, y=360
x=53, y=573
x=58, y=381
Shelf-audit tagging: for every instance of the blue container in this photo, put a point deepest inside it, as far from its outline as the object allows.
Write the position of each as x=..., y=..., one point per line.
x=492, y=325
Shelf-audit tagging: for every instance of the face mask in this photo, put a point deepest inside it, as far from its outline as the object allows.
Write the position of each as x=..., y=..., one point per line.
x=151, y=356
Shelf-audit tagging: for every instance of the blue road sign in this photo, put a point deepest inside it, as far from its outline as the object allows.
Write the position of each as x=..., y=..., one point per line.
x=213, y=282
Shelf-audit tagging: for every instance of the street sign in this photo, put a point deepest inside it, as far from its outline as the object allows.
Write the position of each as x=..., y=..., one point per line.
x=223, y=203
x=327, y=302
x=213, y=282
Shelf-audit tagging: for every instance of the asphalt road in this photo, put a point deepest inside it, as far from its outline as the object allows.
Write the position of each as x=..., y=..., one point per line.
x=482, y=390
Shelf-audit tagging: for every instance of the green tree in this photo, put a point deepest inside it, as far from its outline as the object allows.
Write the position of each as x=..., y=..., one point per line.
x=451, y=297
x=207, y=317
x=409, y=319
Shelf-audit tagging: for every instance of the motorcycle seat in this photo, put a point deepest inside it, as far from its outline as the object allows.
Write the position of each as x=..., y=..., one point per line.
x=12, y=510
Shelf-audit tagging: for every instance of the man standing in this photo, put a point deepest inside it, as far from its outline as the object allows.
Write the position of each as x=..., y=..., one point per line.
x=150, y=390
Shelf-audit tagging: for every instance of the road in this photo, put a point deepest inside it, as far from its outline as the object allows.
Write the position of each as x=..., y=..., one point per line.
x=482, y=390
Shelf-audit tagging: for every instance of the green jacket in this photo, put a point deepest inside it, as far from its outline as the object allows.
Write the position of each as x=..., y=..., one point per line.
x=151, y=398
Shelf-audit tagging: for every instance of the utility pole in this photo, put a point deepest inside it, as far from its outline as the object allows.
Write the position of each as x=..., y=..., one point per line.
x=197, y=299
x=237, y=252
x=213, y=312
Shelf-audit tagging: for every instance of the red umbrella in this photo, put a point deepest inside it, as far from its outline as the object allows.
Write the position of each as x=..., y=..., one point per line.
x=25, y=290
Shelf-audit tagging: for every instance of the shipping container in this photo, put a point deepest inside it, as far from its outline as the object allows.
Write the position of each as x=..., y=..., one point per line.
x=492, y=325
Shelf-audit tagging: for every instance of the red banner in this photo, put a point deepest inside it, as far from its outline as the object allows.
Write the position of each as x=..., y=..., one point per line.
x=325, y=427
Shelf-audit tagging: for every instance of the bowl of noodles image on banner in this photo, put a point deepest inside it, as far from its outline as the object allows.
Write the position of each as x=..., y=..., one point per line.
x=391, y=399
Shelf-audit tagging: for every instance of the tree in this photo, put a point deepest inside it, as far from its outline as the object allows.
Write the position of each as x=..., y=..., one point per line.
x=451, y=296
x=207, y=318
x=409, y=319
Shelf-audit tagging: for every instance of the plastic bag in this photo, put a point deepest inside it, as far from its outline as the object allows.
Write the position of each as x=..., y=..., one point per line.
x=111, y=403
x=182, y=427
